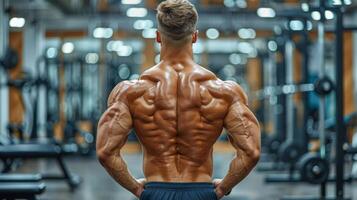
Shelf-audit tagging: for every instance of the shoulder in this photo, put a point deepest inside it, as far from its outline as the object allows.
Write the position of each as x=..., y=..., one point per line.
x=235, y=91
x=204, y=73
x=229, y=90
x=151, y=74
x=120, y=91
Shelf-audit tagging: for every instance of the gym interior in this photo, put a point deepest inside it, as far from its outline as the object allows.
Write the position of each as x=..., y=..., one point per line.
x=295, y=59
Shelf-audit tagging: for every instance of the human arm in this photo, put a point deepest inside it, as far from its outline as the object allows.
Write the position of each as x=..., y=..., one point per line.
x=113, y=130
x=244, y=135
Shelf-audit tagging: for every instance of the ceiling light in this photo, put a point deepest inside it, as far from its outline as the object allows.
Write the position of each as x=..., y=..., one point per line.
x=246, y=33
x=114, y=45
x=305, y=7
x=329, y=14
x=212, y=33
x=347, y=2
x=266, y=12
x=336, y=2
x=296, y=25
x=101, y=32
x=17, y=22
x=130, y=2
x=125, y=51
x=315, y=15
x=228, y=3
x=143, y=24
x=137, y=12
x=68, y=47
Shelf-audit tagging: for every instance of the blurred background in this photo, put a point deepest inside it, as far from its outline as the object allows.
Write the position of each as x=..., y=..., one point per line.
x=59, y=60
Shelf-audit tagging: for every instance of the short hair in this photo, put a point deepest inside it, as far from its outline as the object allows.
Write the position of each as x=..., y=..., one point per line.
x=177, y=19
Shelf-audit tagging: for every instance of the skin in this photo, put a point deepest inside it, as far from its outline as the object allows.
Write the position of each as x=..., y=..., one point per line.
x=178, y=110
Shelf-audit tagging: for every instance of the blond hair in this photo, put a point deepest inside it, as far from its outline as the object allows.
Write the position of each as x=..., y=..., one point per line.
x=177, y=19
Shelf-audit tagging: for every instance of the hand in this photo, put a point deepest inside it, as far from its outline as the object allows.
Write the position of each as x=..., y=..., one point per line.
x=140, y=189
x=218, y=190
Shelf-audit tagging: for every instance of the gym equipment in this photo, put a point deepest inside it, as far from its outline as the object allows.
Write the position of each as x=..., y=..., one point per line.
x=24, y=186
x=74, y=109
x=293, y=145
x=290, y=152
x=20, y=178
x=279, y=94
x=11, y=150
x=323, y=87
x=10, y=59
x=274, y=74
x=12, y=191
x=313, y=168
x=316, y=166
x=41, y=151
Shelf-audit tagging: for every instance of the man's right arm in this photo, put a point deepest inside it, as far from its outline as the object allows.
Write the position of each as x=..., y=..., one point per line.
x=113, y=130
x=244, y=134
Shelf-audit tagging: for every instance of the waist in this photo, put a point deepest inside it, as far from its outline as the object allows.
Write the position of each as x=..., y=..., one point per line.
x=179, y=186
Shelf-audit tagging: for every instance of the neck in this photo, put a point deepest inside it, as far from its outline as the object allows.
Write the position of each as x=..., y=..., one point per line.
x=176, y=53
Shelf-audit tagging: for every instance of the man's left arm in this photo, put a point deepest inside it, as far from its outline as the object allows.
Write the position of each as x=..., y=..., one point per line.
x=113, y=130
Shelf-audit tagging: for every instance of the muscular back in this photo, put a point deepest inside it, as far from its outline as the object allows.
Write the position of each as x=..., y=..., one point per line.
x=178, y=111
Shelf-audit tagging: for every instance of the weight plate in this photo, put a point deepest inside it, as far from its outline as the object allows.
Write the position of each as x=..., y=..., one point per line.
x=324, y=86
x=290, y=152
x=313, y=168
x=10, y=59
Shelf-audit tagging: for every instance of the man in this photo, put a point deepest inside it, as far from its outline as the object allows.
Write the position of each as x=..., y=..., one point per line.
x=178, y=110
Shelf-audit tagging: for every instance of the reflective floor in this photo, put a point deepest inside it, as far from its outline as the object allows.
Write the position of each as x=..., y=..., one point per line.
x=97, y=185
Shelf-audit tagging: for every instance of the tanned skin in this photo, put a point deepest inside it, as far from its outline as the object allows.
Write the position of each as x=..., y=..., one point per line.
x=178, y=110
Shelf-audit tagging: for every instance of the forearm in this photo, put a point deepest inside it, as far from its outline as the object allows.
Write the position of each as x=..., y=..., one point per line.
x=117, y=168
x=239, y=168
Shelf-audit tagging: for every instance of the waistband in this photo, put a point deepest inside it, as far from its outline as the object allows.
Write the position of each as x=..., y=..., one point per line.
x=178, y=186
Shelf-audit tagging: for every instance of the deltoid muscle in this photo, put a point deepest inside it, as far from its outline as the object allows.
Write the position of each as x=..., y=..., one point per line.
x=178, y=112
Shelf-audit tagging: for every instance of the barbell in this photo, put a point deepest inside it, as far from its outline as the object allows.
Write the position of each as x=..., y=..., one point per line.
x=322, y=87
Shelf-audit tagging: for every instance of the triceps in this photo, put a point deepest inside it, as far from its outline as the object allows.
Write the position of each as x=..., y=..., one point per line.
x=113, y=129
x=243, y=129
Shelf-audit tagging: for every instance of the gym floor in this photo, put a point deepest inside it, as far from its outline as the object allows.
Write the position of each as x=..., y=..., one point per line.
x=98, y=184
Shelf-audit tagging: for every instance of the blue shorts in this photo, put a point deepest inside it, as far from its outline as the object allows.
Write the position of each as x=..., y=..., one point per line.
x=178, y=191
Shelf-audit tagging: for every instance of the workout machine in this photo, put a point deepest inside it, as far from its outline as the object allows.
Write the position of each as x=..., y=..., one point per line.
x=10, y=150
x=314, y=167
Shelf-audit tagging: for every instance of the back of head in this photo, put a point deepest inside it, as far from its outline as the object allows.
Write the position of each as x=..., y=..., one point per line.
x=177, y=19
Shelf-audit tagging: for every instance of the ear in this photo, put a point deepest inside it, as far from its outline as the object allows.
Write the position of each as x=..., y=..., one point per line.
x=158, y=37
x=194, y=37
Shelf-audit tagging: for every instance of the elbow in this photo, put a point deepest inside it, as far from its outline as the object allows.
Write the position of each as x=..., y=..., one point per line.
x=254, y=155
x=103, y=157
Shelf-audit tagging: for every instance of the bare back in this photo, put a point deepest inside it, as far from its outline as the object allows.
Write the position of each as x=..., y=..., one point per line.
x=178, y=110
x=178, y=113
